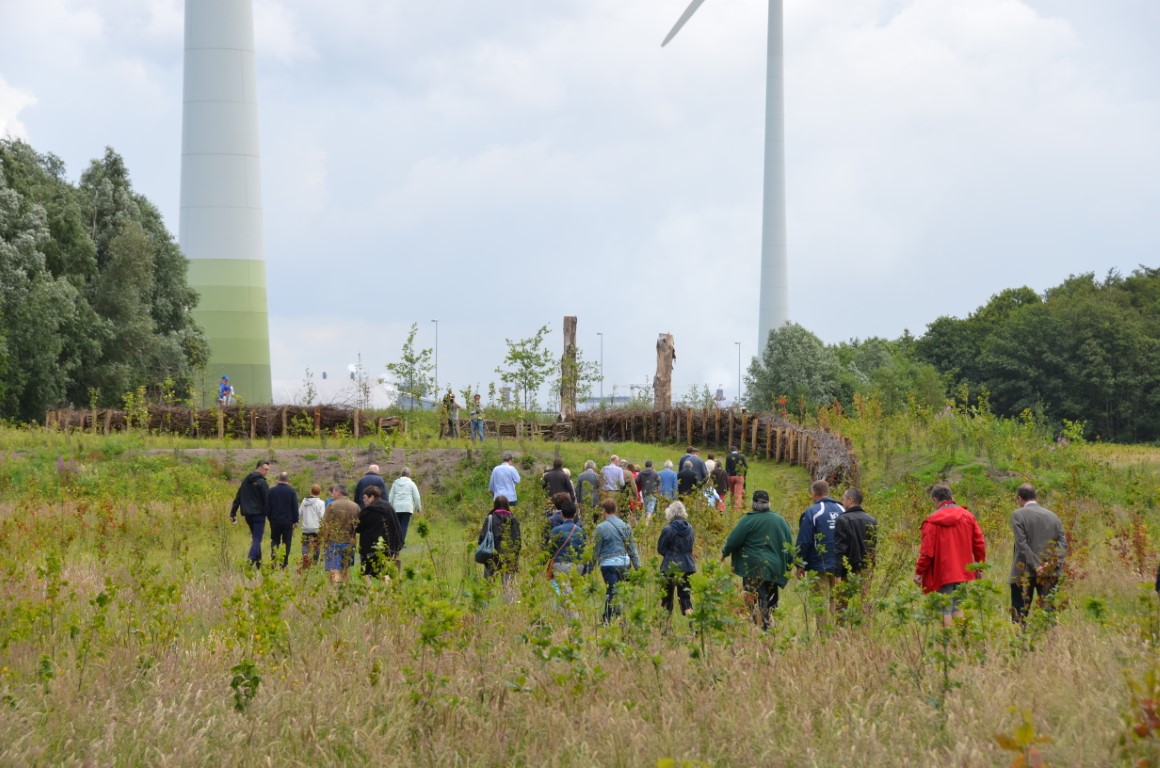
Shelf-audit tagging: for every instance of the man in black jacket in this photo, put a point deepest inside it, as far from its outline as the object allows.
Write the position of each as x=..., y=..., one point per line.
x=282, y=511
x=855, y=542
x=251, y=499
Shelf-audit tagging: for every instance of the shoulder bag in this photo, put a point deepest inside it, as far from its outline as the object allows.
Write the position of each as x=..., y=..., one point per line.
x=486, y=549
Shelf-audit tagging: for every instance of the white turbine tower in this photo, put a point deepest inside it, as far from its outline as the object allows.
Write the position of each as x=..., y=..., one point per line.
x=221, y=193
x=773, y=306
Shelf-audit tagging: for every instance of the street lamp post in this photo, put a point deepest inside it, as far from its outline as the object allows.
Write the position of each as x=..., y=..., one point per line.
x=601, y=335
x=738, y=343
x=436, y=357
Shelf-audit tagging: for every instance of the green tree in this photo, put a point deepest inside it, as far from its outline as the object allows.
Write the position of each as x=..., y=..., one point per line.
x=413, y=370
x=528, y=365
x=93, y=293
x=794, y=363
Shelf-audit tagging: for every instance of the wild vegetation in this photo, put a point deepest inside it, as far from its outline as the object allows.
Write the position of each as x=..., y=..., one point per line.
x=131, y=632
x=1086, y=350
x=94, y=303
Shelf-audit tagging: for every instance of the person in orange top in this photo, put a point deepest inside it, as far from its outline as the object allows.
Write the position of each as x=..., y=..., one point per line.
x=951, y=540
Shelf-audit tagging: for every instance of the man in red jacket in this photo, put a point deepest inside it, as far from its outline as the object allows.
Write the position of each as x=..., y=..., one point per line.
x=951, y=540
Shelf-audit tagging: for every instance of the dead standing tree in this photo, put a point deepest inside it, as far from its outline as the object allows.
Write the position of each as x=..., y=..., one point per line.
x=569, y=372
x=663, y=381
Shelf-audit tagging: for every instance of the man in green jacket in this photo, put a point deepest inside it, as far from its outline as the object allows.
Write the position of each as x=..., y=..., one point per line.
x=761, y=547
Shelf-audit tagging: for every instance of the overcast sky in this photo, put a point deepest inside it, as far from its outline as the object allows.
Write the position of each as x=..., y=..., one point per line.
x=498, y=165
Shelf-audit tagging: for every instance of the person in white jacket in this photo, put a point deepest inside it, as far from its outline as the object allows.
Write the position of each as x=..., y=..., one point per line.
x=404, y=497
x=310, y=513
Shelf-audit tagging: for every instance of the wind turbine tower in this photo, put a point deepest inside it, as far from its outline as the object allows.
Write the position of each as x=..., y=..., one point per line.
x=221, y=197
x=773, y=305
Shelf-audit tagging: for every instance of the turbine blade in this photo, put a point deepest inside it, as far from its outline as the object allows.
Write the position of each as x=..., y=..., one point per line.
x=688, y=14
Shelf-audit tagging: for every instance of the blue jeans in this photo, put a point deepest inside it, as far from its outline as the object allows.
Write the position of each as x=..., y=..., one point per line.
x=404, y=521
x=477, y=429
x=257, y=525
x=650, y=505
x=612, y=575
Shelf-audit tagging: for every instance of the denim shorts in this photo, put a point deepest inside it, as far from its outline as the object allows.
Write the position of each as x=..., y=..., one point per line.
x=339, y=556
x=949, y=589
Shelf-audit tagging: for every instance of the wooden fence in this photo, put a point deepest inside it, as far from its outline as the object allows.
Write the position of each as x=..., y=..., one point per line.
x=824, y=453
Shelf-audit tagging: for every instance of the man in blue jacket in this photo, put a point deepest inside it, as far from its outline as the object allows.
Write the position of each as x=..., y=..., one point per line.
x=816, y=544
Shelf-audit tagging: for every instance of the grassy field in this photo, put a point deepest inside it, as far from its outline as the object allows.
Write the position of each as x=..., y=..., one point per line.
x=131, y=633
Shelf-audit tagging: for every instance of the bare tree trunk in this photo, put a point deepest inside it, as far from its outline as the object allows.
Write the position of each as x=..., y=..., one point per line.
x=663, y=381
x=568, y=372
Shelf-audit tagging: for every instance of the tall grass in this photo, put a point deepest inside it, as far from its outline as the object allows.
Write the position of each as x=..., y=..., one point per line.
x=131, y=633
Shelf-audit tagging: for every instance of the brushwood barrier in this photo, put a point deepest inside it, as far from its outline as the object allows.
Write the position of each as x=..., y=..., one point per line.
x=822, y=452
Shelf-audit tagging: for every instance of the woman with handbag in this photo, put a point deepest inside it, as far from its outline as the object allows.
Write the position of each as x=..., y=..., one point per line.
x=504, y=530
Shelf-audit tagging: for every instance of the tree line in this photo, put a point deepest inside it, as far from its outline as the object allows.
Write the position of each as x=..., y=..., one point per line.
x=94, y=301
x=1087, y=351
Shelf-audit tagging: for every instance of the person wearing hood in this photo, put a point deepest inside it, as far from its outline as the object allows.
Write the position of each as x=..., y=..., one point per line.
x=951, y=541
x=675, y=546
x=758, y=547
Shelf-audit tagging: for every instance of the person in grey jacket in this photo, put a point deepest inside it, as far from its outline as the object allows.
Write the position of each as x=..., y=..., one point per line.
x=675, y=546
x=404, y=497
x=1040, y=546
x=588, y=486
x=614, y=551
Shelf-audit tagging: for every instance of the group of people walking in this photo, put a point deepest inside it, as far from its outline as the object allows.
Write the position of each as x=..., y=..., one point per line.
x=835, y=545
x=375, y=520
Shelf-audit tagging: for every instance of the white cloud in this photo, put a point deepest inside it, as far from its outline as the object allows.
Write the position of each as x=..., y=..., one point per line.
x=500, y=165
x=13, y=101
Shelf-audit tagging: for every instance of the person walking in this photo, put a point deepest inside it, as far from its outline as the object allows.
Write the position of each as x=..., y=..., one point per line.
x=736, y=468
x=282, y=512
x=720, y=479
x=310, y=514
x=758, y=548
x=675, y=546
x=372, y=477
x=566, y=542
x=614, y=551
x=504, y=479
x=379, y=534
x=1040, y=546
x=951, y=541
x=251, y=500
x=338, y=534
x=816, y=546
x=687, y=480
x=855, y=545
x=669, y=481
x=588, y=486
x=611, y=479
x=556, y=480
x=476, y=419
x=505, y=531
x=650, y=488
x=404, y=498
x=693, y=456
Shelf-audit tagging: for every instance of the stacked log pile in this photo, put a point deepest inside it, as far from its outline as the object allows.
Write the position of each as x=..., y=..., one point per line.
x=235, y=421
x=823, y=452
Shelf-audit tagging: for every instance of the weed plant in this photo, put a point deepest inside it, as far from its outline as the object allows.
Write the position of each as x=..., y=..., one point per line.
x=132, y=631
